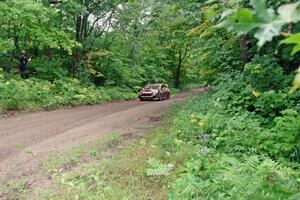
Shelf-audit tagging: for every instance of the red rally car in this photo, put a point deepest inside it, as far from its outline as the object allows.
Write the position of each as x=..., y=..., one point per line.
x=155, y=92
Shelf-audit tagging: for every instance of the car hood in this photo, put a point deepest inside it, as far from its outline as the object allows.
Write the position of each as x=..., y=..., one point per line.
x=148, y=91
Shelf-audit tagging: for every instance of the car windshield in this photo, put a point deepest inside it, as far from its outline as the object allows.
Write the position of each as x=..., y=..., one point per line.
x=152, y=87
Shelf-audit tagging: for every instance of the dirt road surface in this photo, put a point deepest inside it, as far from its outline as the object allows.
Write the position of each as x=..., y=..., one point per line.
x=29, y=139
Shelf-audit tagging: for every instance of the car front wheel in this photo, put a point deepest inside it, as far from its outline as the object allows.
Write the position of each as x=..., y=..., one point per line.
x=169, y=96
x=160, y=97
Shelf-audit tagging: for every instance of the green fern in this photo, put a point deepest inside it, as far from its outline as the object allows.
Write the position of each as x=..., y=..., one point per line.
x=156, y=168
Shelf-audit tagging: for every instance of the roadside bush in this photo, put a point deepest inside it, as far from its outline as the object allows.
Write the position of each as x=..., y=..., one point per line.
x=207, y=122
x=235, y=93
x=239, y=157
x=33, y=94
x=258, y=74
x=47, y=69
x=270, y=104
x=14, y=95
x=283, y=140
x=214, y=175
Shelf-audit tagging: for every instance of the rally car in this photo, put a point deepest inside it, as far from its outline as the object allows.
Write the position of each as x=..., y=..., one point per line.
x=155, y=92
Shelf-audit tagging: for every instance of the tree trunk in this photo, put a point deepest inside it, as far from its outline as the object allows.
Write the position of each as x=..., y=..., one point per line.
x=177, y=78
x=78, y=28
x=244, y=49
x=35, y=51
x=48, y=53
x=76, y=53
x=76, y=61
x=182, y=56
x=178, y=71
x=16, y=43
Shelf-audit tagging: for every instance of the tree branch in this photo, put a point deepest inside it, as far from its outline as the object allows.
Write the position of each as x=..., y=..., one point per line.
x=185, y=53
x=55, y=1
x=112, y=10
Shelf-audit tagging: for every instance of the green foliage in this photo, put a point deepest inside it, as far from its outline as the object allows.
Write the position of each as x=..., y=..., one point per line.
x=238, y=156
x=30, y=24
x=219, y=176
x=35, y=94
x=264, y=73
x=156, y=168
x=266, y=24
x=294, y=39
x=6, y=45
x=296, y=82
x=263, y=19
x=110, y=44
x=286, y=130
x=47, y=69
x=270, y=104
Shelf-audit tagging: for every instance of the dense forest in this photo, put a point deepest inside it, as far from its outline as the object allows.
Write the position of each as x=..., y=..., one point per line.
x=80, y=49
x=239, y=141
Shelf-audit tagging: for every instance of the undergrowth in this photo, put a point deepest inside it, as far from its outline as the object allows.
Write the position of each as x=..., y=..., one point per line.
x=234, y=158
x=35, y=94
x=202, y=151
